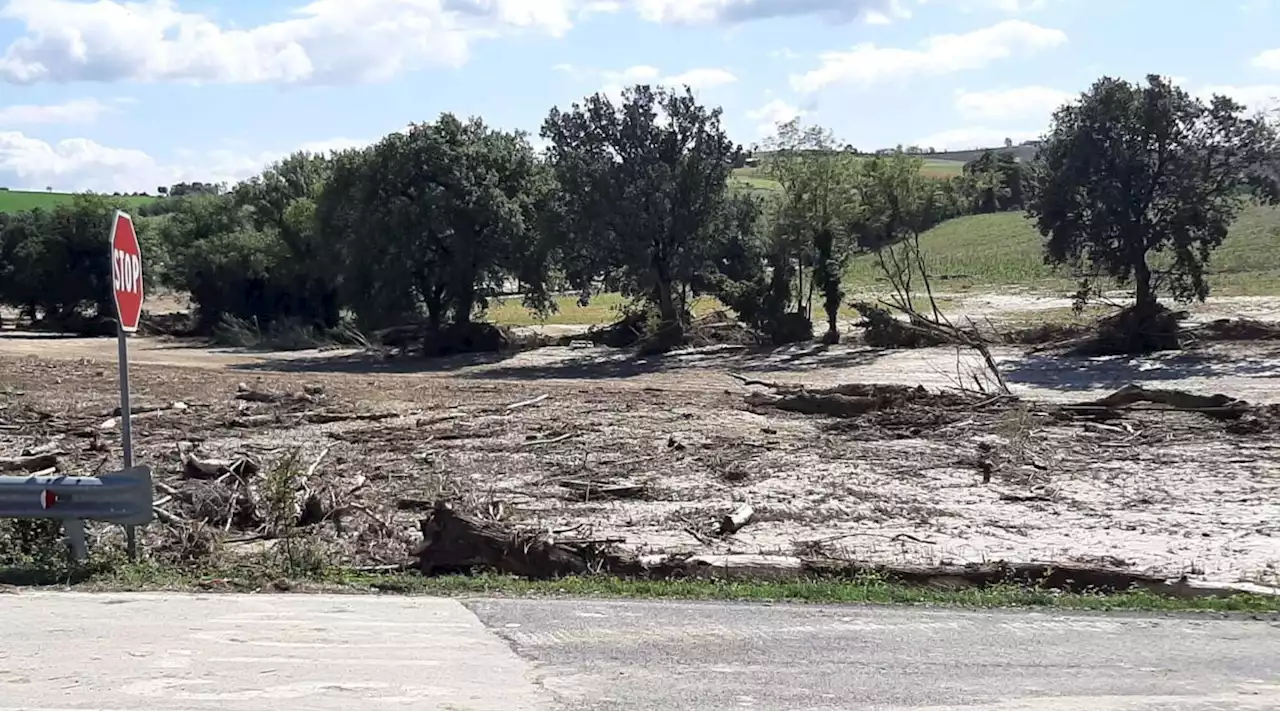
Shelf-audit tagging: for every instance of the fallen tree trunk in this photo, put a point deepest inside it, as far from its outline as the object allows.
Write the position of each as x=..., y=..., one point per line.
x=734, y=522
x=1216, y=406
x=196, y=468
x=454, y=543
x=30, y=463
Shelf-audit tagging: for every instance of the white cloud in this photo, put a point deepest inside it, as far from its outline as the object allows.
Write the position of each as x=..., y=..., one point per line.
x=1269, y=59
x=707, y=12
x=69, y=112
x=1028, y=102
x=614, y=81
x=868, y=64
x=963, y=139
x=1255, y=97
x=700, y=78
x=78, y=164
x=326, y=41
x=1010, y=6
x=772, y=114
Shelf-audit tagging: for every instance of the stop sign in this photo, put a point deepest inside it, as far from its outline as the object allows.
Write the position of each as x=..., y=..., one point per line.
x=126, y=272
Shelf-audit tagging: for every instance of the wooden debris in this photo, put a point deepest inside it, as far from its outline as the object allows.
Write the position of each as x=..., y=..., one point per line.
x=247, y=394
x=325, y=418
x=113, y=421
x=736, y=520
x=526, y=403
x=149, y=409
x=595, y=489
x=553, y=440
x=1215, y=406
x=453, y=542
x=250, y=421
x=195, y=468
x=31, y=463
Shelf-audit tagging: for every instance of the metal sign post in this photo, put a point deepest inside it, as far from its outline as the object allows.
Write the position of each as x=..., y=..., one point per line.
x=126, y=283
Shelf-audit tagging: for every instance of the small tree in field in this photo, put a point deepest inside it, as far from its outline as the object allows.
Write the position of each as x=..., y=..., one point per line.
x=1129, y=172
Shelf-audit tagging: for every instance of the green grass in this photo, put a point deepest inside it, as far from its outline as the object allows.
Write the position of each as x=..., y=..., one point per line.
x=865, y=590
x=601, y=309
x=19, y=200
x=1004, y=250
x=604, y=309
x=756, y=179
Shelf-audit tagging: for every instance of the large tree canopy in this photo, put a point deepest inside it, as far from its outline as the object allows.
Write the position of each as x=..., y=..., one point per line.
x=435, y=219
x=644, y=183
x=1132, y=171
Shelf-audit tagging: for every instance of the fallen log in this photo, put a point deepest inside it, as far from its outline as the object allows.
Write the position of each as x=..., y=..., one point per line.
x=455, y=543
x=736, y=520
x=31, y=463
x=595, y=489
x=251, y=421
x=139, y=413
x=1216, y=406
x=325, y=418
x=147, y=409
x=807, y=403
x=195, y=468
x=248, y=394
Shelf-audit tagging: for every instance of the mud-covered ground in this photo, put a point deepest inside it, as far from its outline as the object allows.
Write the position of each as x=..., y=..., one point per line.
x=674, y=446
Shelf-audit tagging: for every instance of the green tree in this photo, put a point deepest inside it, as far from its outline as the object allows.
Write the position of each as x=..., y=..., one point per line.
x=55, y=264
x=282, y=201
x=1129, y=171
x=435, y=220
x=821, y=201
x=998, y=182
x=643, y=183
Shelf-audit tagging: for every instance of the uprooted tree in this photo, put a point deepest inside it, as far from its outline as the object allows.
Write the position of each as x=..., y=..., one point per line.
x=1141, y=183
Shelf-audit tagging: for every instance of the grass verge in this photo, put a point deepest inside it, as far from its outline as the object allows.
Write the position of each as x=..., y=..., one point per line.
x=251, y=577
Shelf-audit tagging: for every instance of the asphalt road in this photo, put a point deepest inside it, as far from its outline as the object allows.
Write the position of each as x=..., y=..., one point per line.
x=115, y=652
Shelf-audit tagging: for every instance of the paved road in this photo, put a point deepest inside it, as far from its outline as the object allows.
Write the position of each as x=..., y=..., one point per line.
x=71, y=652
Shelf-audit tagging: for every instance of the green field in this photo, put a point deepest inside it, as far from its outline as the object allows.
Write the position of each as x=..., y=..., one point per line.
x=1004, y=250
x=18, y=200
x=756, y=179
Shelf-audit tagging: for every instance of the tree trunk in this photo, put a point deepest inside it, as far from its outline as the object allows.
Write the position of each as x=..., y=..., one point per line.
x=1146, y=298
x=667, y=303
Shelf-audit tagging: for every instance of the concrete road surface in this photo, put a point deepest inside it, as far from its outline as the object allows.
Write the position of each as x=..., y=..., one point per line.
x=116, y=652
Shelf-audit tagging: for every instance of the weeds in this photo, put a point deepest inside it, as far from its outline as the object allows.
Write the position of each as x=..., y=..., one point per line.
x=284, y=335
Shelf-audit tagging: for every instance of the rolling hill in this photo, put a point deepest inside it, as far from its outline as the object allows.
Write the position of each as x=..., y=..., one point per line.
x=18, y=200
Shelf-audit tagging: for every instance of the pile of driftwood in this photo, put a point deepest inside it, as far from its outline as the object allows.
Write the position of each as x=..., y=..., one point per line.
x=456, y=543
x=857, y=399
x=854, y=400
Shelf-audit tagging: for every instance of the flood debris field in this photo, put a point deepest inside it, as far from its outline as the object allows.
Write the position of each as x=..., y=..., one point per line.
x=648, y=465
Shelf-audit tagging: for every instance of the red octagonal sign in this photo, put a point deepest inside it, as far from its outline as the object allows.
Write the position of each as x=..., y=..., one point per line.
x=126, y=272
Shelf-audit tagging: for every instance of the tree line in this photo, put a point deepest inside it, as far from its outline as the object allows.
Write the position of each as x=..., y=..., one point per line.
x=430, y=225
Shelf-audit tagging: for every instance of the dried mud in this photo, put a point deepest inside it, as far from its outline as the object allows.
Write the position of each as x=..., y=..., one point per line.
x=1171, y=493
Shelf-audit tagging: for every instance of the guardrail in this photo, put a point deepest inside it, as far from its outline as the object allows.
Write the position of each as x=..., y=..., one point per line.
x=123, y=498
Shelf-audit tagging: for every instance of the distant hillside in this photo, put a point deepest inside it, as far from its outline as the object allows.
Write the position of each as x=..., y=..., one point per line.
x=19, y=200
x=1024, y=153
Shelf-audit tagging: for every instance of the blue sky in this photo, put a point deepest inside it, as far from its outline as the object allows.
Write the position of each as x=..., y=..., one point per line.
x=109, y=95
